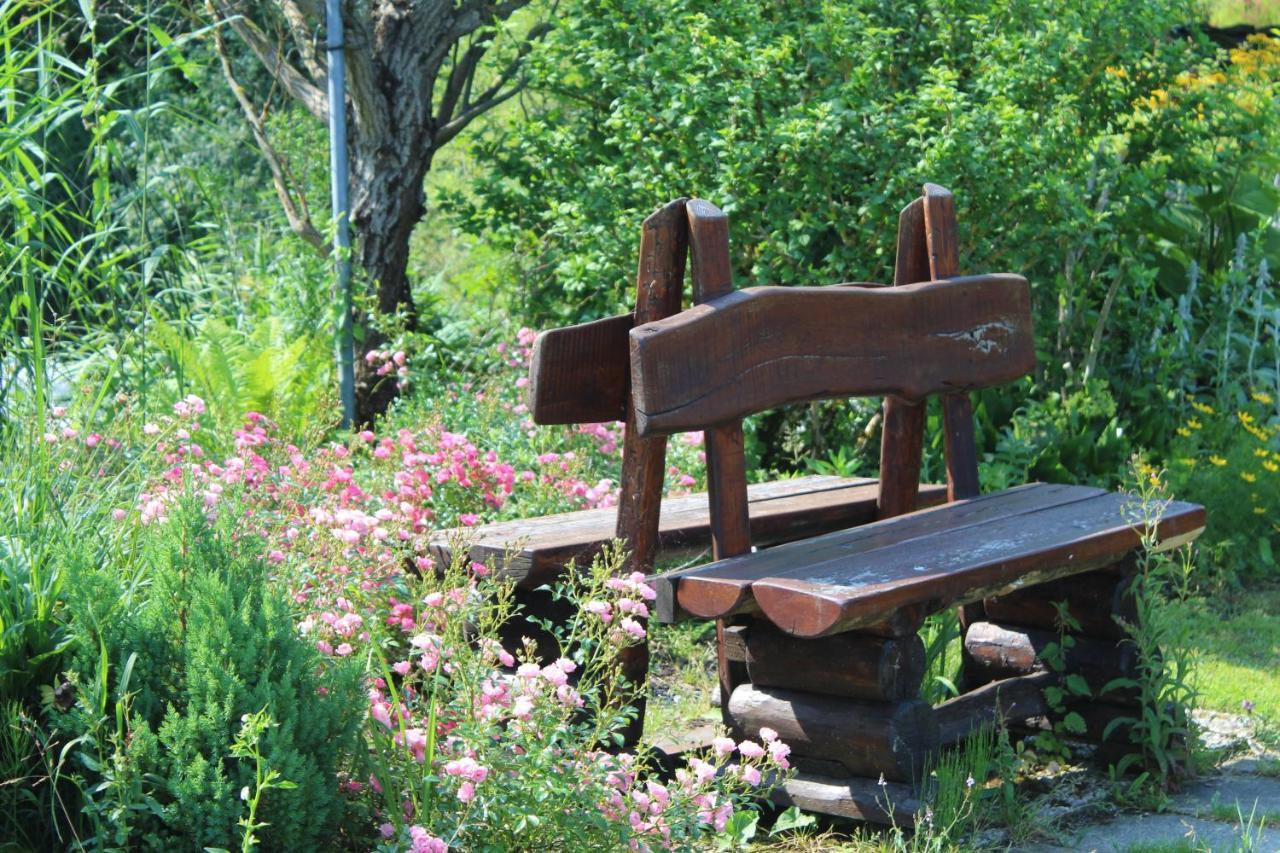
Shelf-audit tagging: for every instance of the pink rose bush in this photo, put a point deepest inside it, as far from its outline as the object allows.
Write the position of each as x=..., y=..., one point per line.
x=477, y=736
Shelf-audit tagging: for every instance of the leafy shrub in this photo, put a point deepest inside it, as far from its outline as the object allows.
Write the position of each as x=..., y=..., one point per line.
x=489, y=750
x=1060, y=438
x=1230, y=462
x=1114, y=165
x=177, y=662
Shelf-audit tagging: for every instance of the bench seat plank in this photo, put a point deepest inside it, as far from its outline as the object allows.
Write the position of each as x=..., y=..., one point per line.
x=533, y=551
x=933, y=559
x=723, y=588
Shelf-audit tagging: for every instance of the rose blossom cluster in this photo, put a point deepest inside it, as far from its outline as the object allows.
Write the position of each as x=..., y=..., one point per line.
x=385, y=363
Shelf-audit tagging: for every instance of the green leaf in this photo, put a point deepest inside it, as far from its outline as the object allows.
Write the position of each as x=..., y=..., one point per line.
x=791, y=820
x=1076, y=685
x=1074, y=723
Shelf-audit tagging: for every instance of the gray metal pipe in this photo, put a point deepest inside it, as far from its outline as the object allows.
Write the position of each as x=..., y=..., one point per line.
x=338, y=185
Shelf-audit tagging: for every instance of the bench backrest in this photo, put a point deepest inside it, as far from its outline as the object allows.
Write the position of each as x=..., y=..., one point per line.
x=736, y=353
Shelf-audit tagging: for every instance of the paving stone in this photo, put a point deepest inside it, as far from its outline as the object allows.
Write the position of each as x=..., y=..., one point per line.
x=1250, y=792
x=1129, y=831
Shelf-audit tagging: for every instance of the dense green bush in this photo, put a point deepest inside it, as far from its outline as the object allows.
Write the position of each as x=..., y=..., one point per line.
x=168, y=664
x=1111, y=163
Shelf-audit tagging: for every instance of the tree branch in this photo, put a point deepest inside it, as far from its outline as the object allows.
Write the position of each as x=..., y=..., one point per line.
x=477, y=13
x=304, y=36
x=295, y=209
x=448, y=126
x=294, y=81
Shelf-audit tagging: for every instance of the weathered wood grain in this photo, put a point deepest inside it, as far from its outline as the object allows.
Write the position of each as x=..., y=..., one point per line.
x=854, y=665
x=533, y=551
x=942, y=237
x=835, y=583
x=999, y=557
x=902, y=428
x=579, y=374
x=996, y=703
x=711, y=270
x=1100, y=602
x=664, y=241
x=820, y=343
x=1002, y=651
x=867, y=738
x=724, y=588
x=854, y=797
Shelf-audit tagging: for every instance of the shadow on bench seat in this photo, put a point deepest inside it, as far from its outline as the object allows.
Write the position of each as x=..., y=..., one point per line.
x=533, y=551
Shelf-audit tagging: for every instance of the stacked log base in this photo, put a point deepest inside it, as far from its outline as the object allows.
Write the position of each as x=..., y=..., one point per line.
x=847, y=707
x=1008, y=650
x=847, y=704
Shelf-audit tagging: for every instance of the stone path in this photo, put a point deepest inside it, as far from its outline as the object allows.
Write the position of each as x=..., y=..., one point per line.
x=1204, y=817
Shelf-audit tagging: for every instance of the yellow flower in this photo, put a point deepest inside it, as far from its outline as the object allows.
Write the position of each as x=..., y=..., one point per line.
x=1262, y=397
x=1248, y=476
x=1271, y=466
x=1245, y=417
x=1194, y=423
x=1184, y=432
x=1202, y=408
x=1260, y=434
x=1217, y=460
x=1117, y=72
x=1259, y=510
x=1188, y=461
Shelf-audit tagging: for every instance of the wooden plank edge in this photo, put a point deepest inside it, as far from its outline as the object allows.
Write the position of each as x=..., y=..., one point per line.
x=855, y=797
x=816, y=610
x=1017, y=698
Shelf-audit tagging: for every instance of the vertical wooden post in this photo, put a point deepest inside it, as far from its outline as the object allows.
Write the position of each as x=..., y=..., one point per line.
x=664, y=242
x=726, y=460
x=960, y=446
x=957, y=409
x=902, y=433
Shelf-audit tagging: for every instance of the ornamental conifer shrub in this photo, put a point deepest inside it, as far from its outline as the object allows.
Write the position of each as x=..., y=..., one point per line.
x=206, y=640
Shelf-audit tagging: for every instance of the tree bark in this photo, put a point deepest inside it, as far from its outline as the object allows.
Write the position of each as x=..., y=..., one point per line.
x=412, y=68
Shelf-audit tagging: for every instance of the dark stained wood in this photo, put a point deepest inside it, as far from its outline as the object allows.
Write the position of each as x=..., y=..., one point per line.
x=867, y=738
x=854, y=797
x=533, y=551
x=941, y=234
x=996, y=703
x=1001, y=651
x=579, y=374
x=724, y=588
x=726, y=464
x=832, y=593
x=901, y=442
x=814, y=343
x=664, y=243
x=1098, y=601
x=735, y=643
x=855, y=665
x=959, y=446
x=902, y=429
x=711, y=270
x=957, y=410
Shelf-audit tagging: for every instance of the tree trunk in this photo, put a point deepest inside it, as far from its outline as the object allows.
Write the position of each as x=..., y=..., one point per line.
x=396, y=52
x=388, y=200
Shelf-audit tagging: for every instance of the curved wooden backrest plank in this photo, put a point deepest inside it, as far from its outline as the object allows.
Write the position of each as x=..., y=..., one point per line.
x=762, y=347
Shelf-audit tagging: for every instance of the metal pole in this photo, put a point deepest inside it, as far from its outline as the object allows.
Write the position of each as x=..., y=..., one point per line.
x=338, y=182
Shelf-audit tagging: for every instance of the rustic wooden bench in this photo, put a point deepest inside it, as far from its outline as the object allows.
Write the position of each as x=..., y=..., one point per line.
x=817, y=638
x=581, y=374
